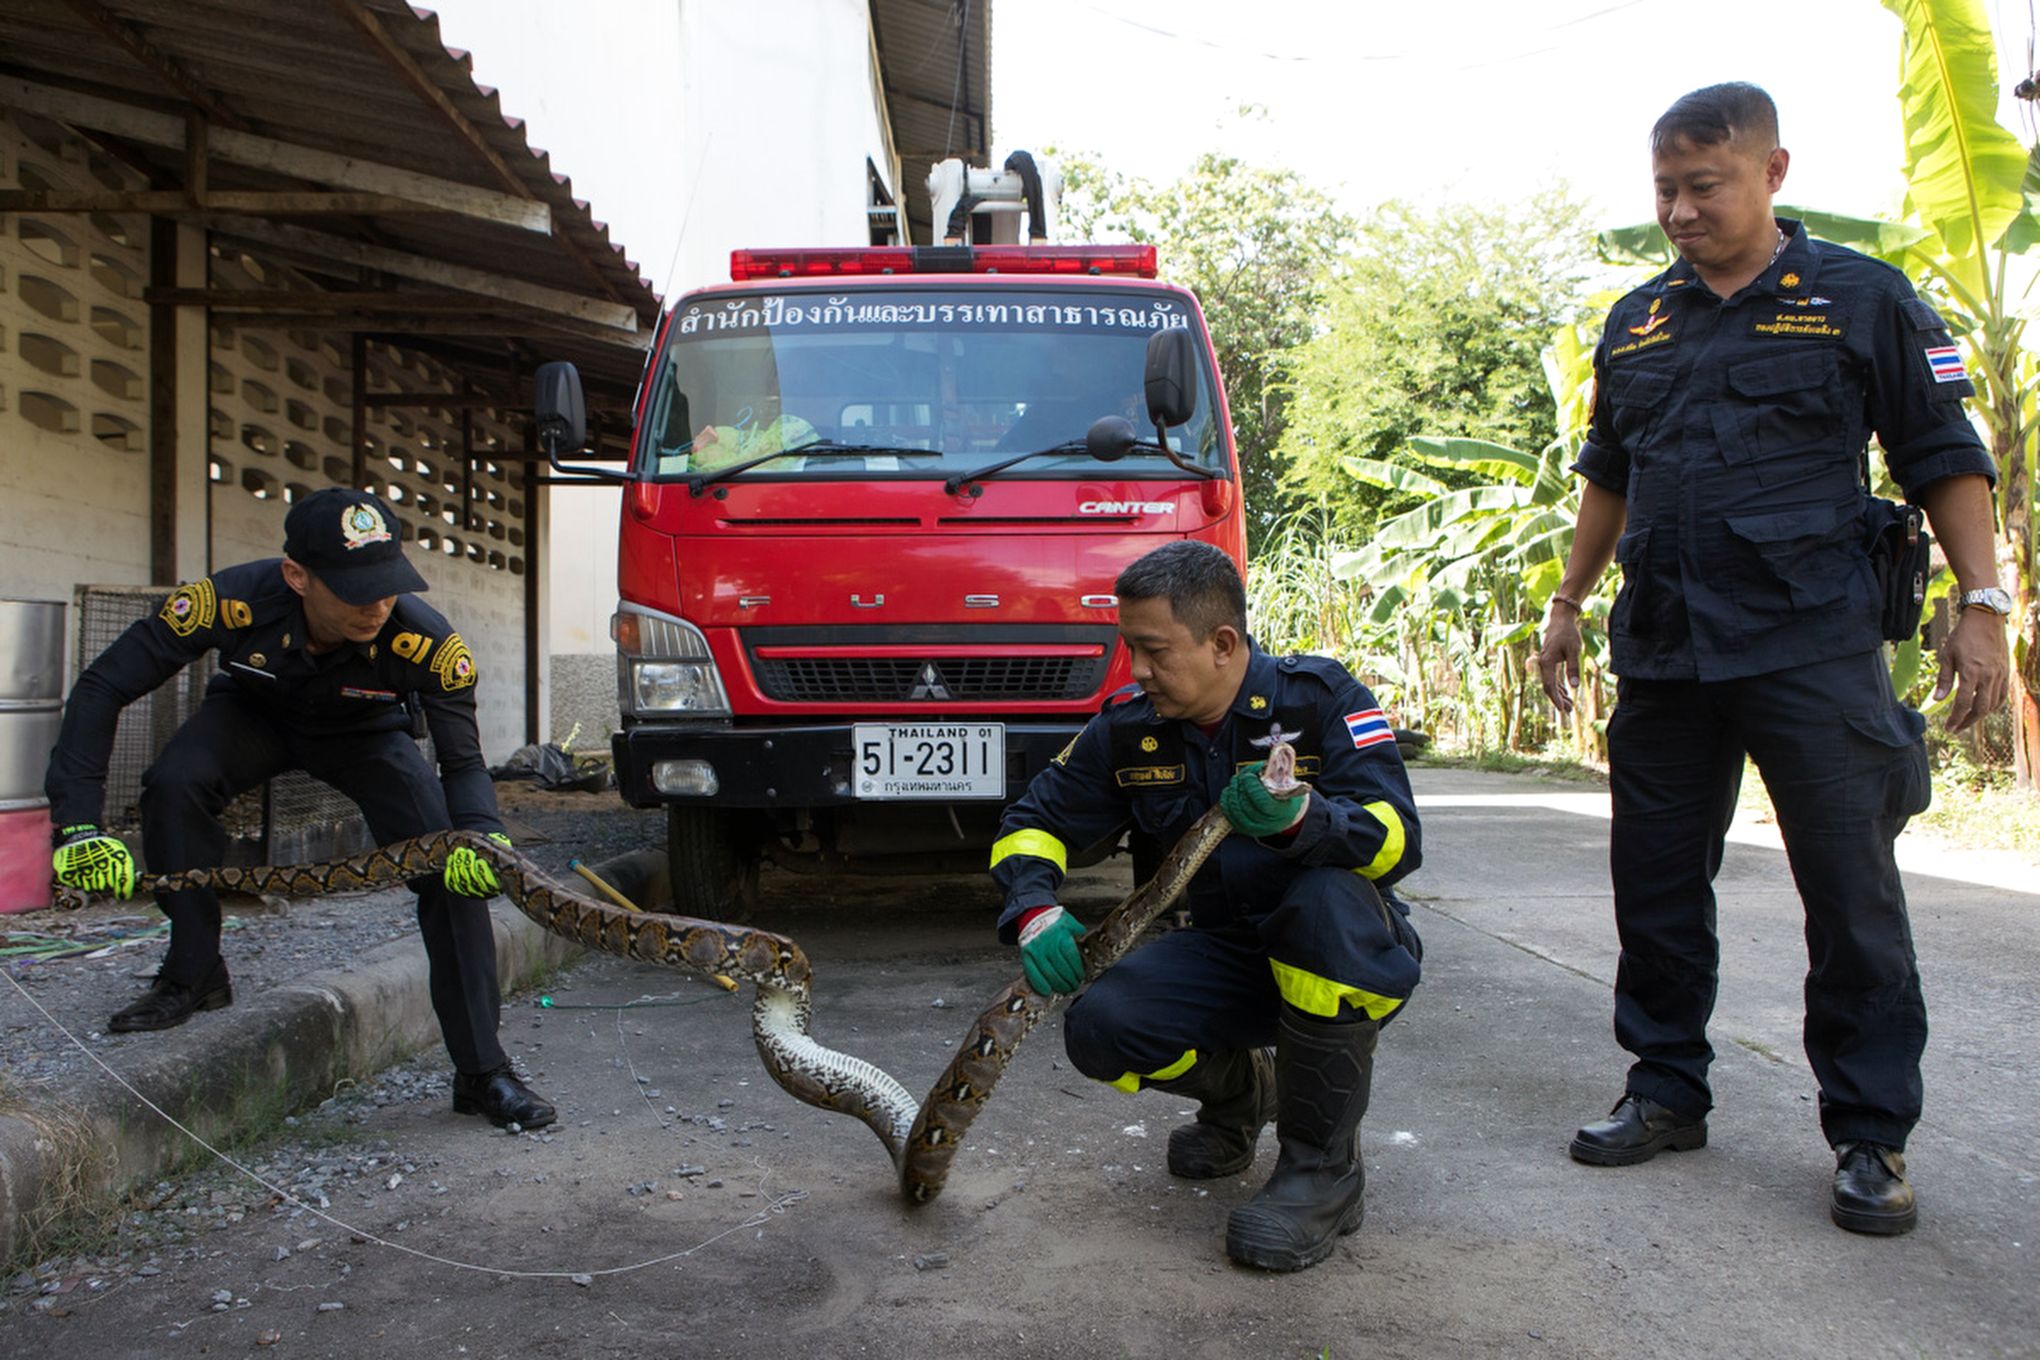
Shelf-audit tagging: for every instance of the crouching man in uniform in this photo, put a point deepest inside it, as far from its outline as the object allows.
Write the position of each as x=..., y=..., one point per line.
x=319, y=651
x=1291, y=945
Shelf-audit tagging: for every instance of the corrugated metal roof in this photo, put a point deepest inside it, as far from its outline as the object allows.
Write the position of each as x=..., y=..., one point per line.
x=372, y=79
x=362, y=78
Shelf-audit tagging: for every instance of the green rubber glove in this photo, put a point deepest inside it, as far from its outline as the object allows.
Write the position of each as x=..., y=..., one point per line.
x=469, y=875
x=1253, y=810
x=92, y=861
x=1048, y=952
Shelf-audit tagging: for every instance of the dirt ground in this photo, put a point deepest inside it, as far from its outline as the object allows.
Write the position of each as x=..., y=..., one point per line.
x=684, y=1205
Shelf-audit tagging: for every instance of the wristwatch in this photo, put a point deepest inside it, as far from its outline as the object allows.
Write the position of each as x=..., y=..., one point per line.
x=1990, y=597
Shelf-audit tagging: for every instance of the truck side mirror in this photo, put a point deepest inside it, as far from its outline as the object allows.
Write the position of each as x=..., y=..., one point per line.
x=1109, y=439
x=562, y=412
x=1171, y=380
x=562, y=422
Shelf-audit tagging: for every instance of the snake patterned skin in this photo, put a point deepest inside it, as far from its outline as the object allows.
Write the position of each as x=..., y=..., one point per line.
x=921, y=1138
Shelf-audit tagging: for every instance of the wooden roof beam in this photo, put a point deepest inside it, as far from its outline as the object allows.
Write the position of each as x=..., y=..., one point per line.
x=325, y=249
x=284, y=158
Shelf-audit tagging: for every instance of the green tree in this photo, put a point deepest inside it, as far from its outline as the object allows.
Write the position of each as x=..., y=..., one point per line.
x=1256, y=246
x=1435, y=326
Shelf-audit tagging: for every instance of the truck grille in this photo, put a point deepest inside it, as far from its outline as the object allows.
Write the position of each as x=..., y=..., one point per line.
x=931, y=679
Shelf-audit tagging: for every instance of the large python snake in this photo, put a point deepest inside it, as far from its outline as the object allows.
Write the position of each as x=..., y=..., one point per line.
x=922, y=1138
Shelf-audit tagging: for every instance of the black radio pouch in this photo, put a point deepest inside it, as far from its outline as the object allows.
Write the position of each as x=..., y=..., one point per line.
x=1898, y=544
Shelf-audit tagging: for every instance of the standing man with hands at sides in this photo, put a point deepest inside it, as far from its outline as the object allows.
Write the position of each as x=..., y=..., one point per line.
x=319, y=651
x=1725, y=470
x=1291, y=944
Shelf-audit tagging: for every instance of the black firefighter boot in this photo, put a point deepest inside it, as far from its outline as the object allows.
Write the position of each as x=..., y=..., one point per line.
x=1237, y=1089
x=1323, y=1070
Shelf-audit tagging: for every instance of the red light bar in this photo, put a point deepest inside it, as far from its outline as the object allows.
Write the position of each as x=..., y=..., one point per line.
x=1137, y=261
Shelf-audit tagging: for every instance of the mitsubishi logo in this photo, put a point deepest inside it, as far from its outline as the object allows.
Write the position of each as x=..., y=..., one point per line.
x=928, y=685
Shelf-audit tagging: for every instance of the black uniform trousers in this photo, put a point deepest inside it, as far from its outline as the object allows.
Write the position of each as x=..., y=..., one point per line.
x=1209, y=988
x=1845, y=766
x=228, y=747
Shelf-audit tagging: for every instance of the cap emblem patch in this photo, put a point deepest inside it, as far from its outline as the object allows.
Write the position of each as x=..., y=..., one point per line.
x=361, y=525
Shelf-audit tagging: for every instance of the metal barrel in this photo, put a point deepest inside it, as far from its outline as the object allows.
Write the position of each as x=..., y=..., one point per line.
x=31, y=708
x=31, y=697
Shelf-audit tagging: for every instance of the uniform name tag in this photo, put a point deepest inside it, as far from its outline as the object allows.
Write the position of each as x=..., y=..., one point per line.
x=1651, y=341
x=1148, y=776
x=388, y=696
x=1800, y=324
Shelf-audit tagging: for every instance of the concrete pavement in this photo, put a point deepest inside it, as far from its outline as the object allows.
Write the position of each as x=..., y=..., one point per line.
x=1062, y=1235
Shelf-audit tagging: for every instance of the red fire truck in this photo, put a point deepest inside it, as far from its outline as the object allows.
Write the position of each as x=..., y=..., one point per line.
x=876, y=502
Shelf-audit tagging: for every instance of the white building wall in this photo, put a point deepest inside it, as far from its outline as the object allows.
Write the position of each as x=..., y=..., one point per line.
x=714, y=125
x=267, y=417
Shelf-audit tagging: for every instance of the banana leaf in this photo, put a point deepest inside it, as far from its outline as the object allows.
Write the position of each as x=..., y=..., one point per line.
x=1477, y=455
x=1964, y=170
x=1393, y=476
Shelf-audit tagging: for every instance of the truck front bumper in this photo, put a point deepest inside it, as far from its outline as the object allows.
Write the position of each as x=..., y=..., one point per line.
x=792, y=766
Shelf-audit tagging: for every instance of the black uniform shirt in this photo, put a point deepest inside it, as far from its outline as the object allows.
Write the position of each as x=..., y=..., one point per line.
x=256, y=622
x=1736, y=431
x=1162, y=774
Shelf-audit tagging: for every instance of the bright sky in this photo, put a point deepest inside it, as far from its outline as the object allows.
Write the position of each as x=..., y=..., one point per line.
x=1466, y=99
x=1457, y=99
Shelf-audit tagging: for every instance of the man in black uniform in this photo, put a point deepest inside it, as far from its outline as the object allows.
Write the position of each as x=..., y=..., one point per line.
x=319, y=651
x=1725, y=471
x=1291, y=943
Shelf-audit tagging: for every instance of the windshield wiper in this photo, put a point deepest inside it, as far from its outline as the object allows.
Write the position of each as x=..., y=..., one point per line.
x=814, y=448
x=1108, y=453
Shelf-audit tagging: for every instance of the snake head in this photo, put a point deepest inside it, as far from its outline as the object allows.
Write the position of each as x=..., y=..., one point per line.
x=1278, y=774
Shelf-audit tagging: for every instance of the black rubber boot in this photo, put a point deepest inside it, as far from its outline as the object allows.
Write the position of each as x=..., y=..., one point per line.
x=1323, y=1070
x=1237, y=1089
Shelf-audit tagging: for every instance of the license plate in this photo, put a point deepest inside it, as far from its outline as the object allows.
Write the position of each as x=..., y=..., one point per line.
x=929, y=760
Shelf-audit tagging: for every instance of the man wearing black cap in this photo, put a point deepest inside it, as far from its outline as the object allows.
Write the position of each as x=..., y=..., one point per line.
x=319, y=652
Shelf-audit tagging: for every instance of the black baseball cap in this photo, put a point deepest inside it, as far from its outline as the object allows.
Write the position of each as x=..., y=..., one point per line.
x=351, y=542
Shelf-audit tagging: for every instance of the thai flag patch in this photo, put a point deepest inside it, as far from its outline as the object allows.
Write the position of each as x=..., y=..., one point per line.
x=1946, y=362
x=1369, y=728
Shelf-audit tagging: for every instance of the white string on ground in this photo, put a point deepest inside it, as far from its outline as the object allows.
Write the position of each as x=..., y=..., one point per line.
x=774, y=1205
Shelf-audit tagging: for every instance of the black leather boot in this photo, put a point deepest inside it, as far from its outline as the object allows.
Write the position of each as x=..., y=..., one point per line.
x=1323, y=1071
x=501, y=1098
x=1237, y=1089
x=1636, y=1130
x=1871, y=1193
x=168, y=1004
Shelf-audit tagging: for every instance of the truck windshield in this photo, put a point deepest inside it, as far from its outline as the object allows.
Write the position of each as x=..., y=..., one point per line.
x=918, y=383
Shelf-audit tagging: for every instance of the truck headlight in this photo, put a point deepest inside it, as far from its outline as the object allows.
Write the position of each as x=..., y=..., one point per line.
x=663, y=666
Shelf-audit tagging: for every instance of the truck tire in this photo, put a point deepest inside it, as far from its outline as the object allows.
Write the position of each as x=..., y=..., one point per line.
x=713, y=863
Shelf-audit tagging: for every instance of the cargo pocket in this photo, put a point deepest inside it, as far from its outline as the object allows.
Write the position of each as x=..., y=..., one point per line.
x=1634, y=610
x=1779, y=418
x=1797, y=564
x=1634, y=398
x=1888, y=759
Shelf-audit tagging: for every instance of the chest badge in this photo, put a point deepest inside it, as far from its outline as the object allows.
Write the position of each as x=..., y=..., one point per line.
x=1654, y=320
x=1276, y=736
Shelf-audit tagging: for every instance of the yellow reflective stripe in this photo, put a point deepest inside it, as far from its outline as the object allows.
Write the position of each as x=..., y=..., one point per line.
x=1314, y=995
x=1039, y=844
x=1130, y=1082
x=1390, y=853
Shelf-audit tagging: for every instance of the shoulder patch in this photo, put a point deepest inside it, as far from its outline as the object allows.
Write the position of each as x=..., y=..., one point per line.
x=454, y=667
x=191, y=608
x=413, y=647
